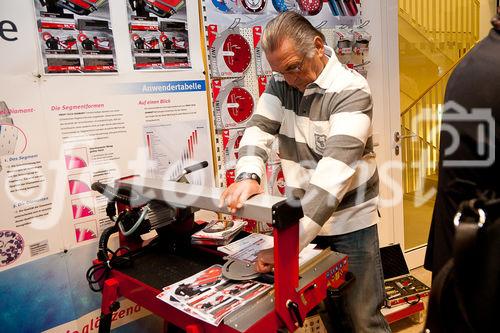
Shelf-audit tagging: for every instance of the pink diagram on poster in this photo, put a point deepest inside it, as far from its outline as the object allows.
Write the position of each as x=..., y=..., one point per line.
x=80, y=211
x=84, y=234
x=77, y=186
x=11, y=247
x=74, y=162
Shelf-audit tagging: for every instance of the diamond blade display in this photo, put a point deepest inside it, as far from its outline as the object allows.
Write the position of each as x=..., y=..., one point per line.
x=310, y=7
x=253, y=6
x=283, y=5
x=236, y=53
x=239, y=104
x=225, y=6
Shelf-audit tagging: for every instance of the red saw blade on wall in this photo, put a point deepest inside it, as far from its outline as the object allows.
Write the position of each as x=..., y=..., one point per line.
x=237, y=54
x=239, y=104
x=253, y=6
x=310, y=7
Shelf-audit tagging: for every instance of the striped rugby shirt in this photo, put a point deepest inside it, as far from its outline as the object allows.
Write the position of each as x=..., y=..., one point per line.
x=325, y=146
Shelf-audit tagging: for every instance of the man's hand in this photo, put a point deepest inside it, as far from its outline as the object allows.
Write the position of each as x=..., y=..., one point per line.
x=237, y=193
x=265, y=261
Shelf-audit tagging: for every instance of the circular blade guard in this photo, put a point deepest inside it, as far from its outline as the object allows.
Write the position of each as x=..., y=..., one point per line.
x=239, y=55
x=253, y=6
x=239, y=104
x=239, y=270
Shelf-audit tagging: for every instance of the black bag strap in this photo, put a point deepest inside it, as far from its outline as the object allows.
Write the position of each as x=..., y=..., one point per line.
x=435, y=313
x=464, y=253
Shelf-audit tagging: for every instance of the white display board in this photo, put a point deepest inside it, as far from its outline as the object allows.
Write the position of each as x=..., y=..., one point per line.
x=60, y=133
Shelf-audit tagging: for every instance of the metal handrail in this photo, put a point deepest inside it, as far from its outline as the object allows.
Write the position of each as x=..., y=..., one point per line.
x=436, y=82
x=450, y=25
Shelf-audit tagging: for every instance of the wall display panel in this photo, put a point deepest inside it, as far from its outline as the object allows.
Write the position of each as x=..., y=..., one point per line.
x=258, y=12
x=75, y=36
x=238, y=66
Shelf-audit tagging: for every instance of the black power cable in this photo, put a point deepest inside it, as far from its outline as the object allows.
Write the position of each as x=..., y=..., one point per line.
x=98, y=273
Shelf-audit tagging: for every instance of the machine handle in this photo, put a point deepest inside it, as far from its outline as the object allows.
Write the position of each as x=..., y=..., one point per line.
x=112, y=194
x=195, y=167
x=295, y=312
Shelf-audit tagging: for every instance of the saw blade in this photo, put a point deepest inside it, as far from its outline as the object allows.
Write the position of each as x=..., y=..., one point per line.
x=239, y=270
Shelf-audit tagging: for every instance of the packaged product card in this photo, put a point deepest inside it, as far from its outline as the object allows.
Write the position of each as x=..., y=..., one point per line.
x=262, y=66
x=229, y=52
x=233, y=103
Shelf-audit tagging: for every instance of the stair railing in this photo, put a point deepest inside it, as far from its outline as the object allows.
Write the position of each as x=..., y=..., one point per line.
x=451, y=25
x=421, y=125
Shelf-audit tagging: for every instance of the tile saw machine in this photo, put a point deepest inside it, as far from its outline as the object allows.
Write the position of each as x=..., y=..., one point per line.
x=138, y=270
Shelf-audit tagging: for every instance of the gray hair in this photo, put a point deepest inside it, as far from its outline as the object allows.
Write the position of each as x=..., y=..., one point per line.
x=293, y=26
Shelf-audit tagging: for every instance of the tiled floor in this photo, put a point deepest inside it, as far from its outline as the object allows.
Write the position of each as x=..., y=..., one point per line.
x=408, y=325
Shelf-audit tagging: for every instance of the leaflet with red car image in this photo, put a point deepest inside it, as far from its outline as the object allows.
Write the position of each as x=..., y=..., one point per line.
x=211, y=297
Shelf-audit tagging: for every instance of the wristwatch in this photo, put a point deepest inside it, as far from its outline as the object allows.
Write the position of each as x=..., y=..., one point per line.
x=247, y=175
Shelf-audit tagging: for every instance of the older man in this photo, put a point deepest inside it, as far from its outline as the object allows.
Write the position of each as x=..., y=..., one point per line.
x=322, y=114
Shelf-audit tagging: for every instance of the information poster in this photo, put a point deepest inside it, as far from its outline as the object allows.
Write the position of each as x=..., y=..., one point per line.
x=27, y=231
x=61, y=133
x=75, y=36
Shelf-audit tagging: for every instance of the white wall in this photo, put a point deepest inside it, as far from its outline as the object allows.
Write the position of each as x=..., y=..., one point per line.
x=383, y=77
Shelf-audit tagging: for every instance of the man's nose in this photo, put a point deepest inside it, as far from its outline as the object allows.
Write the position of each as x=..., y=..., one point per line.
x=290, y=78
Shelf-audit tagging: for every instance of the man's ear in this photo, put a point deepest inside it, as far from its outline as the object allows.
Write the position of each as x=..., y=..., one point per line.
x=319, y=45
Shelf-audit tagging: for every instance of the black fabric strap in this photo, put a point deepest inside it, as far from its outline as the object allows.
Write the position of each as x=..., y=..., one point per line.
x=465, y=253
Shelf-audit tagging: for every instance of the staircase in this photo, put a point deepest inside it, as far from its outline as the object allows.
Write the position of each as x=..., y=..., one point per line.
x=434, y=35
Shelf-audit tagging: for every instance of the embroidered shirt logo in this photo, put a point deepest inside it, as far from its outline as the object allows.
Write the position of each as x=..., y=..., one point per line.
x=320, y=141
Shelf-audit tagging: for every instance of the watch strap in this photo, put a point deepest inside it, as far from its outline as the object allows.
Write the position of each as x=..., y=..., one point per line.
x=247, y=175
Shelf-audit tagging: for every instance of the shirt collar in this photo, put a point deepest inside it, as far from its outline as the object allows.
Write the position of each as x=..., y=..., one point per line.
x=332, y=67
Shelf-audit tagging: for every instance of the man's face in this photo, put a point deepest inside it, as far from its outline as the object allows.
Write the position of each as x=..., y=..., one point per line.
x=298, y=69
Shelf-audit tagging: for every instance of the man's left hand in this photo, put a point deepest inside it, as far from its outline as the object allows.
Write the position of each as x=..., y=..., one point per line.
x=265, y=261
